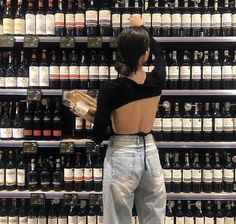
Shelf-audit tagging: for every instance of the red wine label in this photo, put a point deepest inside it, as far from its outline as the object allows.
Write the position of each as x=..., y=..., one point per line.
x=78, y=174
x=64, y=72
x=70, y=20
x=68, y=174
x=79, y=19
x=57, y=133
x=47, y=133
x=28, y=132
x=59, y=20
x=37, y=132
x=97, y=174
x=54, y=72
x=88, y=176
x=74, y=72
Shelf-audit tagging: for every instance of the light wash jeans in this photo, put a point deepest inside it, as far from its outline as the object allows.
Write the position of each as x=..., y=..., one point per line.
x=126, y=180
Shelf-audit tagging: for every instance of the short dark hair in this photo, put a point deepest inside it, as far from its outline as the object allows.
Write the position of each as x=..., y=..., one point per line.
x=133, y=42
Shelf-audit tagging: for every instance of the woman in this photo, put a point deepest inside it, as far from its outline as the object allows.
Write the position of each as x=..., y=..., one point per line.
x=132, y=170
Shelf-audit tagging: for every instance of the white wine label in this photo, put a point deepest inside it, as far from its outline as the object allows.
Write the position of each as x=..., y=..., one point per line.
x=105, y=17
x=81, y=220
x=79, y=19
x=207, y=124
x=234, y=20
x=167, y=175
x=93, y=73
x=187, y=176
x=196, y=175
x=13, y=220
x=234, y=72
x=10, y=82
x=8, y=26
x=185, y=72
x=217, y=175
x=72, y=219
x=113, y=73
x=226, y=19
x=78, y=174
x=147, y=19
x=176, y=20
x=62, y=220
x=70, y=20
x=91, y=219
x=187, y=124
x=30, y=24
x=166, y=124
x=179, y=220
x=176, y=175
x=227, y=72
x=167, y=73
x=220, y=220
x=42, y=220
x=186, y=20
x=157, y=125
x=6, y=133
x=100, y=220
x=229, y=220
x=169, y=220
x=116, y=20
x=197, y=124
x=207, y=176
x=50, y=24
x=84, y=71
x=228, y=124
x=59, y=20
x=2, y=177
x=206, y=20
x=52, y=220
x=91, y=18
x=228, y=175
x=21, y=177
x=156, y=20
x=74, y=72
x=88, y=174
x=209, y=220
x=68, y=174
x=10, y=177
x=3, y=220
x=44, y=76
x=206, y=72
x=82, y=108
x=216, y=20
x=218, y=124
x=54, y=72
x=196, y=20
x=189, y=220
x=199, y=220
x=40, y=24
x=64, y=72
x=1, y=29
x=103, y=72
x=177, y=124
x=19, y=26
x=125, y=20
x=174, y=72
x=22, y=82
x=196, y=72
x=79, y=123
x=97, y=174
x=33, y=76
x=2, y=82
x=166, y=20
x=23, y=220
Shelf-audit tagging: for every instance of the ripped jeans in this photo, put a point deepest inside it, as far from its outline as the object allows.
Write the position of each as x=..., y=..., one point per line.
x=133, y=173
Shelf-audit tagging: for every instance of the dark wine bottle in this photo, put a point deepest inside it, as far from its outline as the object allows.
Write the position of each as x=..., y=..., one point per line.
x=64, y=72
x=227, y=72
x=167, y=170
x=206, y=20
x=116, y=19
x=219, y=213
x=57, y=122
x=74, y=72
x=179, y=214
x=30, y=20
x=84, y=72
x=10, y=72
x=197, y=124
x=176, y=20
x=187, y=175
x=80, y=20
x=166, y=21
x=147, y=16
x=13, y=213
x=40, y=19
x=69, y=176
x=34, y=71
x=23, y=212
x=206, y=72
x=125, y=15
x=91, y=19
x=167, y=124
x=105, y=19
x=8, y=22
x=196, y=175
x=97, y=174
x=177, y=124
x=28, y=123
x=37, y=119
x=207, y=175
x=187, y=123
x=59, y=20
x=156, y=19
x=233, y=70
x=6, y=124
x=103, y=69
x=22, y=80
x=199, y=216
x=176, y=175
x=50, y=19
x=93, y=72
x=79, y=128
x=88, y=174
x=207, y=124
x=78, y=173
x=52, y=214
x=4, y=211
x=174, y=71
x=21, y=173
x=32, y=176
x=19, y=20
x=18, y=130
x=217, y=175
x=229, y=215
x=196, y=20
x=209, y=217
x=186, y=20
x=45, y=177
x=2, y=71
x=189, y=216
x=10, y=172
x=218, y=123
x=185, y=71
x=196, y=72
x=157, y=127
x=2, y=172
x=228, y=174
x=54, y=73
x=228, y=123
x=216, y=20
x=226, y=19
x=47, y=122
x=58, y=177
x=70, y=20
x=44, y=71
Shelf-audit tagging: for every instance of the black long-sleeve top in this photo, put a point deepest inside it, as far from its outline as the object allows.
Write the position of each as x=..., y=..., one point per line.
x=116, y=93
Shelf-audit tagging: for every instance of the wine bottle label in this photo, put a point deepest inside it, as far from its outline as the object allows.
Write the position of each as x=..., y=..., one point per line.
x=72, y=219
x=79, y=20
x=47, y=133
x=196, y=20
x=74, y=72
x=220, y=220
x=88, y=174
x=59, y=20
x=100, y=219
x=227, y=72
x=23, y=220
x=68, y=174
x=64, y=72
x=5, y=133
x=8, y=26
x=147, y=19
x=187, y=124
x=105, y=17
x=70, y=20
x=28, y=132
x=42, y=220
x=169, y=220
x=196, y=175
x=197, y=124
x=207, y=124
x=196, y=72
x=22, y=82
x=176, y=20
x=20, y=177
x=10, y=82
x=179, y=220
x=157, y=125
x=185, y=72
x=91, y=18
x=50, y=24
x=81, y=219
x=116, y=19
x=37, y=133
x=228, y=124
x=88, y=125
x=186, y=20
x=13, y=220
x=84, y=71
x=167, y=73
x=2, y=177
x=79, y=123
x=234, y=20
x=174, y=72
x=209, y=220
x=228, y=175
x=103, y=72
x=40, y=24
x=187, y=176
x=234, y=72
x=44, y=76
x=167, y=175
x=177, y=175
x=216, y=21
x=125, y=20
x=93, y=73
x=30, y=24
x=207, y=176
x=2, y=82
x=19, y=26
x=229, y=220
x=166, y=20
x=33, y=76
x=54, y=72
x=218, y=175
x=206, y=72
x=62, y=220
x=52, y=220
x=10, y=177
x=227, y=20
x=177, y=124
x=156, y=20
x=219, y=124
x=57, y=133
x=206, y=20
x=113, y=73
x=91, y=219
x=3, y=220
x=1, y=29
x=189, y=220
x=166, y=124
x=97, y=174
x=199, y=220
x=78, y=174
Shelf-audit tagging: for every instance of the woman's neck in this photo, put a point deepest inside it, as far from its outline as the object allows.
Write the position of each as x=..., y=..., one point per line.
x=139, y=76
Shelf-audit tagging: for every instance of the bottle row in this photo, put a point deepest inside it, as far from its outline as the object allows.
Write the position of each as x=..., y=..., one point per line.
x=80, y=172
x=111, y=19
x=207, y=172
x=204, y=123
x=202, y=212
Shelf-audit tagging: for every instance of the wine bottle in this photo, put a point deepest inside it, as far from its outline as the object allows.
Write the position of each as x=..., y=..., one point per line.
x=166, y=21
x=91, y=20
x=209, y=217
x=54, y=73
x=228, y=174
x=187, y=123
x=18, y=130
x=228, y=123
x=199, y=216
x=219, y=214
x=21, y=173
x=176, y=175
x=58, y=177
x=196, y=175
x=179, y=215
x=100, y=216
x=105, y=19
x=174, y=71
x=50, y=20
x=42, y=219
x=186, y=20
x=2, y=72
x=125, y=15
x=207, y=124
x=59, y=20
x=206, y=20
x=2, y=172
x=216, y=20
x=187, y=175
x=234, y=19
x=30, y=19
x=84, y=72
x=64, y=72
x=147, y=16
x=72, y=217
x=196, y=21
x=1, y=17
x=113, y=74
x=23, y=213
x=227, y=73
x=157, y=127
x=57, y=122
x=62, y=215
x=233, y=71
x=196, y=72
x=10, y=72
x=4, y=211
x=207, y=175
x=97, y=174
x=88, y=174
x=217, y=175
x=197, y=124
x=176, y=20
x=8, y=22
x=167, y=124
x=45, y=177
x=44, y=71
x=70, y=20
x=6, y=124
x=177, y=124
x=28, y=122
x=156, y=19
x=218, y=123
x=13, y=217
x=116, y=19
x=189, y=217
x=19, y=20
x=37, y=119
x=40, y=19
x=32, y=176
x=69, y=175
x=78, y=173
x=47, y=123
x=34, y=71
x=93, y=72
x=167, y=171
x=22, y=79
x=79, y=20
x=185, y=71
x=79, y=128
x=74, y=72
x=229, y=216
x=206, y=72
x=52, y=215
x=103, y=69
x=91, y=215
x=226, y=19
x=10, y=172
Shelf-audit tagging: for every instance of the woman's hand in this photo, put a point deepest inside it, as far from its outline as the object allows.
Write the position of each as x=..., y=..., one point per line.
x=135, y=21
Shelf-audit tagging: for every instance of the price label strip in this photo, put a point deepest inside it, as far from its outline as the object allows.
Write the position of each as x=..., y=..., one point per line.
x=67, y=42
x=70, y=199
x=37, y=199
x=30, y=147
x=34, y=95
x=31, y=42
x=7, y=41
x=67, y=147
x=92, y=148
x=94, y=42
x=95, y=199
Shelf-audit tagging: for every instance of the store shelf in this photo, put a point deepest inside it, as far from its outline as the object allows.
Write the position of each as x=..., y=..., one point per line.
x=23, y=92
x=196, y=145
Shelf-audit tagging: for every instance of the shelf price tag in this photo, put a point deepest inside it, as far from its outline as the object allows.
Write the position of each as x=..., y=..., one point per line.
x=113, y=42
x=70, y=199
x=67, y=42
x=67, y=147
x=95, y=199
x=34, y=94
x=92, y=148
x=7, y=41
x=30, y=147
x=31, y=42
x=37, y=199
x=94, y=42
